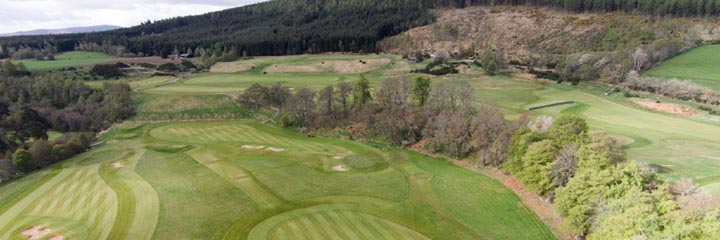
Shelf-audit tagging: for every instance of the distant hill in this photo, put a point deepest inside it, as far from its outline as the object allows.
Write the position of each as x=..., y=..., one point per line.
x=98, y=28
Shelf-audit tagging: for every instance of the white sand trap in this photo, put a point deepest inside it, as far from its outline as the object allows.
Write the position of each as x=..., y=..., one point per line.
x=337, y=157
x=339, y=168
x=252, y=147
x=116, y=165
x=58, y=237
x=275, y=149
x=35, y=232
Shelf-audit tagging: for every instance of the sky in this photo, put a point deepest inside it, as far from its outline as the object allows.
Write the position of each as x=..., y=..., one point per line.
x=25, y=15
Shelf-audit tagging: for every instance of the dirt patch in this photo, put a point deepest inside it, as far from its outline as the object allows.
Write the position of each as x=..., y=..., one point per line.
x=208, y=158
x=231, y=67
x=252, y=147
x=671, y=108
x=338, y=66
x=339, y=168
x=116, y=165
x=239, y=175
x=35, y=232
x=275, y=149
x=58, y=237
x=526, y=76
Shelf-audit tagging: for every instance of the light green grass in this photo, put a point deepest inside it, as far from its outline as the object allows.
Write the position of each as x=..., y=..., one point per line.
x=69, y=59
x=701, y=65
x=235, y=83
x=193, y=180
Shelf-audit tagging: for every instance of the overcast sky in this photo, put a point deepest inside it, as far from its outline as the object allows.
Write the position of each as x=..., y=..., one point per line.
x=24, y=15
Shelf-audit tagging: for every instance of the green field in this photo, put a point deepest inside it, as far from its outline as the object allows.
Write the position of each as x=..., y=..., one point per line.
x=700, y=65
x=680, y=147
x=68, y=59
x=209, y=180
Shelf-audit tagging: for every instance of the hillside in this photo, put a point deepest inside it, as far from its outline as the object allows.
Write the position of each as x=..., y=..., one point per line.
x=547, y=38
x=98, y=28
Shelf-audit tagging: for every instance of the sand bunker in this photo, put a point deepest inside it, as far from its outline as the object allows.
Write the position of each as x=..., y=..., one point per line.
x=231, y=67
x=275, y=149
x=35, y=232
x=339, y=66
x=58, y=237
x=339, y=168
x=671, y=108
x=337, y=157
x=252, y=147
x=116, y=165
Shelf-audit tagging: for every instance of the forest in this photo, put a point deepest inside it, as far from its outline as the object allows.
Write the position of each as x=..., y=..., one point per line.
x=285, y=27
x=32, y=106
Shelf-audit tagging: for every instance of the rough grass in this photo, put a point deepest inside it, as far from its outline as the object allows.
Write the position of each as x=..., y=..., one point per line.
x=701, y=65
x=69, y=59
x=173, y=107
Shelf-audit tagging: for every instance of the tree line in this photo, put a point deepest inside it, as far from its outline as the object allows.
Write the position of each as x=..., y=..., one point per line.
x=285, y=27
x=585, y=175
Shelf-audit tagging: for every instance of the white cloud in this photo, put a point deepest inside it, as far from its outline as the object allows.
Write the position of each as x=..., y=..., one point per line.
x=23, y=15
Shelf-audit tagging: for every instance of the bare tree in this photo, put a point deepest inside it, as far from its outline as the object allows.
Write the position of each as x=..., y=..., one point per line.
x=394, y=92
x=639, y=58
x=541, y=124
x=456, y=96
x=302, y=105
x=344, y=90
x=327, y=99
x=684, y=187
x=450, y=132
x=488, y=126
x=564, y=166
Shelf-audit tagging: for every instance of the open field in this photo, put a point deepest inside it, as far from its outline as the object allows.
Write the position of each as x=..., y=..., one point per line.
x=244, y=180
x=69, y=59
x=312, y=71
x=699, y=65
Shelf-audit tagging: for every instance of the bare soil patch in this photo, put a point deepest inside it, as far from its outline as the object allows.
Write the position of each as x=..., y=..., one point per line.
x=58, y=237
x=275, y=149
x=252, y=147
x=339, y=66
x=671, y=108
x=35, y=232
x=231, y=67
x=239, y=175
x=116, y=165
x=339, y=168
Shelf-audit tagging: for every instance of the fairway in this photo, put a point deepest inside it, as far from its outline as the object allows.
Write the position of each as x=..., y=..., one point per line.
x=679, y=147
x=245, y=180
x=69, y=59
x=701, y=65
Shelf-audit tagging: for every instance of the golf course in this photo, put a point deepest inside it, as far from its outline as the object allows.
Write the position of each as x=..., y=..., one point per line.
x=226, y=176
x=242, y=179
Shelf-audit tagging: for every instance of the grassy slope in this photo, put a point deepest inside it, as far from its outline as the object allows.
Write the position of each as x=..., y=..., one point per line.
x=220, y=190
x=701, y=65
x=68, y=59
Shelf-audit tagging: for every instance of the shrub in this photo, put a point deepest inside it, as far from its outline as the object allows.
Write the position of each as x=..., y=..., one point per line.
x=23, y=161
x=107, y=70
x=168, y=67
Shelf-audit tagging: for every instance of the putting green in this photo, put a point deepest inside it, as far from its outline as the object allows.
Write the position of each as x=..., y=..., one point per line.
x=330, y=222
